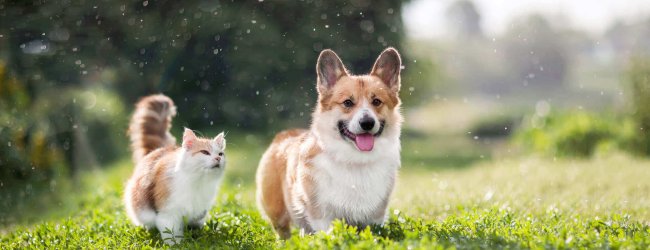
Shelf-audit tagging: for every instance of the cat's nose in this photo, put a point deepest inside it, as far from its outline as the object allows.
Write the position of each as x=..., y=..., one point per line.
x=218, y=158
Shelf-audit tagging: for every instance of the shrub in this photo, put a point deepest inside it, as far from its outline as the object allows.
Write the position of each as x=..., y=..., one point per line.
x=23, y=154
x=575, y=134
x=494, y=126
x=57, y=131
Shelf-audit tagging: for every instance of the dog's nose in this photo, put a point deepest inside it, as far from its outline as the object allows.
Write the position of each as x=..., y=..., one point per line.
x=367, y=123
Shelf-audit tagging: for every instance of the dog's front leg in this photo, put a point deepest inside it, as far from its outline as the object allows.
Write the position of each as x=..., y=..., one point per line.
x=379, y=218
x=322, y=224
x=380, y=215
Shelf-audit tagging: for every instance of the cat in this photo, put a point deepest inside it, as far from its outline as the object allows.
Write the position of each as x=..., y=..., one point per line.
x=170, y=184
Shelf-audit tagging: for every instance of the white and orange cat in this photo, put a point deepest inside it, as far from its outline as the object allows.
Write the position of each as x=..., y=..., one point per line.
x=170, y=184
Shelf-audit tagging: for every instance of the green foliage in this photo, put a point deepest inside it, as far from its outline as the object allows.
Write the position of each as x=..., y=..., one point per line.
x=248, y=64
x=639, y=80
x=238, y=226
x=536, y=204
x=77, y=127
x=25, y=152
x=493, y=126
x=419, y=76
x=581, y=133
x=575, y=134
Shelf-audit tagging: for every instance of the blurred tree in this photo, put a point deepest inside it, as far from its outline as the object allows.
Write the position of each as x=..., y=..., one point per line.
x=465, y=19
x=245, y=64
x=639, y=79
x=25, y=152
x=536, y=52
x=248, y=64
x=628, y=39
x=617, y=35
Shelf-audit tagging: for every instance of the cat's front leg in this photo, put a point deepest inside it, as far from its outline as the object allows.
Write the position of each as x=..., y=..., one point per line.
x=170, y=227
x=199, y=220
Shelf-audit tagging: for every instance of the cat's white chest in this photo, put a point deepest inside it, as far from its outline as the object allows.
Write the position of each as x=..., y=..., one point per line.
x=193, y=195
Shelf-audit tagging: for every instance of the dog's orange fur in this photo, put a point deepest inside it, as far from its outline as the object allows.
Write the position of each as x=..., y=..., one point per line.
x=358, y=89
x=292, y=150
x=272, y=177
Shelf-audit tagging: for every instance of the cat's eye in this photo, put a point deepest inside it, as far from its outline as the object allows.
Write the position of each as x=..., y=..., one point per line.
x=348, y=103
x=205, y=152
x=220, y=153
x=376, y=102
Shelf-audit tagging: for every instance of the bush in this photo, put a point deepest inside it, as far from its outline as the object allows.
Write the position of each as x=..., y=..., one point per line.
x=494, y=126
x=23, y=154
x=576, y=134
x=579, y=135
x=58, y=131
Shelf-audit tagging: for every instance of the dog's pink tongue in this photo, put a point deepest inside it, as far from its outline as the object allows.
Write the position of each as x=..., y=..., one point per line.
x=365, y=142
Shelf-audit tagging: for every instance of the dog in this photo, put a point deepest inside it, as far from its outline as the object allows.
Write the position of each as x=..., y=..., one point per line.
x=345, y=166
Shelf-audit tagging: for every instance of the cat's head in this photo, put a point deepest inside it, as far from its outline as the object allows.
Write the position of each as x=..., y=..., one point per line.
x=202, y=153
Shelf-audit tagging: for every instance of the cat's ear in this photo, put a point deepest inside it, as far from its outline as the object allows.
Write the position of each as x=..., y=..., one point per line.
x=220, y=139
x=188, y=138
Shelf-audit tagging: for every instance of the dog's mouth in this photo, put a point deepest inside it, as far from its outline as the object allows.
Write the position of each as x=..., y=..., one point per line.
x=364, y=141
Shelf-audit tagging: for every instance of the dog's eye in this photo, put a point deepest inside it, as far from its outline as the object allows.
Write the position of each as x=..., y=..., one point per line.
x=220, y=153
x=348, y=103
x=376, y=102
x=205, y=152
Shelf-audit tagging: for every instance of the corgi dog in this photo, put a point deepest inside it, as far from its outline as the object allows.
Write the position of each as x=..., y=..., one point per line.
x=170, y=184
x=345, y=166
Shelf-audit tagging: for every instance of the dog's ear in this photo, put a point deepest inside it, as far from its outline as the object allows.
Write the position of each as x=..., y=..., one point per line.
x=329, y=69
x=388, y=67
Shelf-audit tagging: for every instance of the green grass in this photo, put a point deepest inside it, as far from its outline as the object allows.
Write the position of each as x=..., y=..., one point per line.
x=487, y=203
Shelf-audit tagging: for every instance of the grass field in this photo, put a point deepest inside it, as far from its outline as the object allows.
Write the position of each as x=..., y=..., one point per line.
x=448, y=195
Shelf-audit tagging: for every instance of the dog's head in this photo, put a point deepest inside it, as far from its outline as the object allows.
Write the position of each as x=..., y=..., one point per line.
x=358, y=109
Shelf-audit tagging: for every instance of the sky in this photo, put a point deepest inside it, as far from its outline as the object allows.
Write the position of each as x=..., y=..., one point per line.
x=426, y=18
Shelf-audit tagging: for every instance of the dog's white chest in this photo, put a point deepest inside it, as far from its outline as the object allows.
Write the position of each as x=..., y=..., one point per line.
x=352, y=192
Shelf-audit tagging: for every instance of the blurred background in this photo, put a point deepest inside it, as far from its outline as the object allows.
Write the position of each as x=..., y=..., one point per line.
x=483, y=81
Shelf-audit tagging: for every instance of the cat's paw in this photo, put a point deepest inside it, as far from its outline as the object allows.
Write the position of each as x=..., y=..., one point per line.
x=171, y=239
x=170, y=242
x=195, y=226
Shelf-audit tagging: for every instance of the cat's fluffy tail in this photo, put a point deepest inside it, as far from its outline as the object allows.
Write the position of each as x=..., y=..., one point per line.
x=150, y=124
